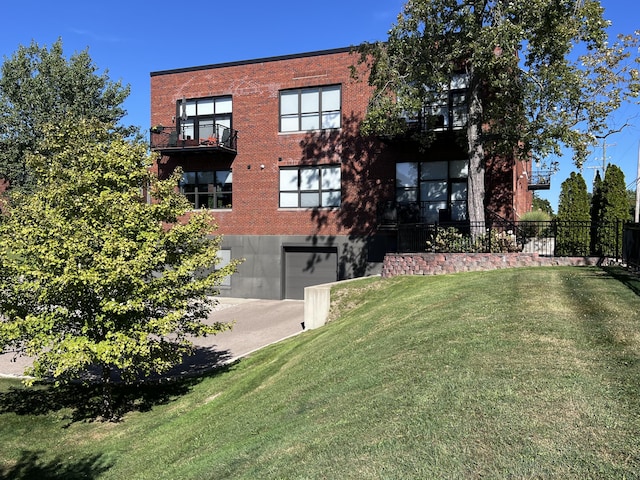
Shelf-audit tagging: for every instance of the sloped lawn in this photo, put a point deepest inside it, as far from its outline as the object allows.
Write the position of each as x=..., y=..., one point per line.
x=523, y=373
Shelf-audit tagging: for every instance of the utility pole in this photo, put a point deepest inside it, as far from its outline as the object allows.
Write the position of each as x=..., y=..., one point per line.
x=605, y=145
x=604, y=158
x=637, y=210
x=604, y=154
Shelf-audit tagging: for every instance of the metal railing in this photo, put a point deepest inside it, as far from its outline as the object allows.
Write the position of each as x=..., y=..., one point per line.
x=631, y=245
x=551, y=238
x=540, y=180
x=222, y=137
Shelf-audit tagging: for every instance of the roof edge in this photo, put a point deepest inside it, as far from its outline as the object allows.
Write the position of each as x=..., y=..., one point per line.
x=253, y=61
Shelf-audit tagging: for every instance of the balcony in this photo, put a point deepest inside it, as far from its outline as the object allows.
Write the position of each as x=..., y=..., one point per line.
x=540, y=180
x=168, y=140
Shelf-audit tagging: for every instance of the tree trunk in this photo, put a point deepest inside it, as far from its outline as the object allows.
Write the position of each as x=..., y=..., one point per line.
x=476, y=191
x=107, y=396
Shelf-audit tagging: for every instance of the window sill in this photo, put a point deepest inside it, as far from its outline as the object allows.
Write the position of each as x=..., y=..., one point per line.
x=318, y=130
x=305, y=209
x=210, y=209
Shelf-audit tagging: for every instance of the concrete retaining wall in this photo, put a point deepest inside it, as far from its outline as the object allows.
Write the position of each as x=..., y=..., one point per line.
x=317, y=301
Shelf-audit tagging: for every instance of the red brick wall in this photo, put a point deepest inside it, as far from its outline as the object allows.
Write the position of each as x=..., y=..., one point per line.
x=506, y=186
x=255, y=89
x=523, y=197
x=368, y=166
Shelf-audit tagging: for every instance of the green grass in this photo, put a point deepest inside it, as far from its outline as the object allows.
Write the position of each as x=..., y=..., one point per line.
x=523, y=373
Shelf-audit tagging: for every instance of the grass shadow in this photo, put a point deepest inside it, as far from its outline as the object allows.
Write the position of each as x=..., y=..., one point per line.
x=31, y=466
x=84, y=399
x=608, y=333
x=625, y=277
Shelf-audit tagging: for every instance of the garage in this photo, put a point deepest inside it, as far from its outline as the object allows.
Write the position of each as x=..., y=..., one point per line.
x=306, y=266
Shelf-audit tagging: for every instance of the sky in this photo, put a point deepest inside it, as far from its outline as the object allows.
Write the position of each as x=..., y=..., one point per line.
x=130, y=39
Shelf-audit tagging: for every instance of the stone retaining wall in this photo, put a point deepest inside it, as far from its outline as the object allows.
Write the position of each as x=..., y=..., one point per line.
x=439, y=263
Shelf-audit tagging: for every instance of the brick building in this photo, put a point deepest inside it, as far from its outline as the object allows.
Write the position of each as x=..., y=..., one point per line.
x=271, y=145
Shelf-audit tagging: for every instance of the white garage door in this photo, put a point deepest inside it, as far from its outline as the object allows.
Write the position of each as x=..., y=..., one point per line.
x=305, y=266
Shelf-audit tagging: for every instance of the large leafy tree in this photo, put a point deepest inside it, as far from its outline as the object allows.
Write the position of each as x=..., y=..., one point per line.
x=541, y=74
x=40, y=86
x=93, y=275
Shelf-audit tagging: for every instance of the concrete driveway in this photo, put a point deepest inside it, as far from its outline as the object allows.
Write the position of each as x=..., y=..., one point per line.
x=258, y=323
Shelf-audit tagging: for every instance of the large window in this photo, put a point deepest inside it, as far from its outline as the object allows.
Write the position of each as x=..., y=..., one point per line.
x=204, y=118
x=310, y=108
x=448, y=108
x=438, y=188
x=209, y=189
x=308, y=187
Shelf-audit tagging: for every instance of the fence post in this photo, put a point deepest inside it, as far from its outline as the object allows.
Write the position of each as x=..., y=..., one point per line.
x=618, y=229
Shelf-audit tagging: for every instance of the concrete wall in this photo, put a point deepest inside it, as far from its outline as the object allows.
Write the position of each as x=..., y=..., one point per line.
x=261, y=274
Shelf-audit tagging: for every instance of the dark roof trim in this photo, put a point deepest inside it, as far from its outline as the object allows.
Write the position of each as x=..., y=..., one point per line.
x=257, y=60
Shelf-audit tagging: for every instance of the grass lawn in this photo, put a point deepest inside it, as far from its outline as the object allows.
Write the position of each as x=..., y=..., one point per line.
x=522, y=373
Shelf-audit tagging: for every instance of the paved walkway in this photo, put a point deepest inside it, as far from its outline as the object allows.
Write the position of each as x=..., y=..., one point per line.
x=258, y=323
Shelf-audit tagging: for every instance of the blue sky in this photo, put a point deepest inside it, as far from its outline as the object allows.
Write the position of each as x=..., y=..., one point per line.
x=132, y=38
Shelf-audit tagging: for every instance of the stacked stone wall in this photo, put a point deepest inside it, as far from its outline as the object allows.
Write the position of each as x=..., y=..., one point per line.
x=441, y=263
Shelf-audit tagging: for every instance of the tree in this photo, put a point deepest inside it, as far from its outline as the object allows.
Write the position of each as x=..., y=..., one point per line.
x=92, y=274
x=573, y=220
x=596, y=211
x=631, y=198
x=613, y=211
x=528, y=94
x=542, y=204
x=39, y=86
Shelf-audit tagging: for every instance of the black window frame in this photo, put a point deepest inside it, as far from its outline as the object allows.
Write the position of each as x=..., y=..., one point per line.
x=403, y=192
x=218, y=199
x=454, y=102
x=215, y=117
x=300, y=114
x=302, y=192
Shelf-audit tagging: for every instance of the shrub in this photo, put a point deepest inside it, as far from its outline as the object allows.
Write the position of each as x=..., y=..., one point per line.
x=535, y=216
x=534, y=224
x=451, y=240
x=448, y=240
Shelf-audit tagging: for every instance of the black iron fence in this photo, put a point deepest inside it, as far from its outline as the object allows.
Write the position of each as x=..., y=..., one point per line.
x=631, y=245
x=551, y=238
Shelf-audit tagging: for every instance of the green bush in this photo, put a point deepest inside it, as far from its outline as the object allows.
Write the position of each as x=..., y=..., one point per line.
x=502, y=242
x=451, y=240
x=448, y=240
x=535, y=216
x=534, y=224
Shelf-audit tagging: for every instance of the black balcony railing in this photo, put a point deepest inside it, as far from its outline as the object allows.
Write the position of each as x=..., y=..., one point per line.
x=168, y=139
x=540, y=180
